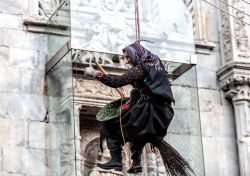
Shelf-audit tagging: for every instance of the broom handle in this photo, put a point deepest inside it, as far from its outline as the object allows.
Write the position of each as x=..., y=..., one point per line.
x=105, y=73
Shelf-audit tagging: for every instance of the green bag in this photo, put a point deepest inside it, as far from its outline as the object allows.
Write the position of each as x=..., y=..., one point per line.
x=111, y=110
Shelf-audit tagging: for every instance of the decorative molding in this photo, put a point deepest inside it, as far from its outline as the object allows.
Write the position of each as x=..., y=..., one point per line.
x=234, y=79
x=43, y=26
x=204, y=47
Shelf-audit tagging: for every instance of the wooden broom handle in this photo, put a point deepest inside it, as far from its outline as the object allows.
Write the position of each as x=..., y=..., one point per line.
x=105, y=73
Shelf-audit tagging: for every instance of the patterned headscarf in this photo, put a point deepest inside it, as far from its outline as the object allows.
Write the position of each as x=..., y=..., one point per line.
x=139, y=55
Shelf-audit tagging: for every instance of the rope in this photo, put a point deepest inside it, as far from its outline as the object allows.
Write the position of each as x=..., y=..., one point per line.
x=137, y=21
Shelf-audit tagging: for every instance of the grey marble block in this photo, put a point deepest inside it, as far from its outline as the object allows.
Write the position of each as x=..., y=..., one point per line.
x=21, y=39
x=185, y=97
x=214, y=101
x=1, y=160
x=11, y=21
x=22, y=106
x=220, y=156
x=39, y=162
x=16, y=159
x=17, y=7
x=10, y=79
x=4, y=56
x=185, y=122
x=23, y=58
x=10, y=174
x=207, y=79
x=13, y=132
x=31, y=81
x=38, y=135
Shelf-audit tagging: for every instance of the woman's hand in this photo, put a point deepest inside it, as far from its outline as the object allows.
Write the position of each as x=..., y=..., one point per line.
x=89, y=71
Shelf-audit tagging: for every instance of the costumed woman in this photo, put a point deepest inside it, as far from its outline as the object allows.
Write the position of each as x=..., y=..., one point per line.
x=145, y=116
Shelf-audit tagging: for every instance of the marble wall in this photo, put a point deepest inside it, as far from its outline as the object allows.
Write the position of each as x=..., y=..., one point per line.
x=23, y=134
x=23, y=106
x=216, y=112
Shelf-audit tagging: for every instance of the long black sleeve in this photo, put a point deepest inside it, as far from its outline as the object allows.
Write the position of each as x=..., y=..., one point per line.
x=129, y=77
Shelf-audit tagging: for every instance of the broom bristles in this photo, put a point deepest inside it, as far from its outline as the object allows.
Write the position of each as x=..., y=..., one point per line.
x=174, y=163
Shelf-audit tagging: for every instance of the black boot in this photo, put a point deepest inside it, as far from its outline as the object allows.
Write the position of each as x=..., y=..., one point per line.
x=115, y=149
x=136, y=150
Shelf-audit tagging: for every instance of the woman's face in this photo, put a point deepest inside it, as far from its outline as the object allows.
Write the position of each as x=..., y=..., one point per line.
x=127, y=58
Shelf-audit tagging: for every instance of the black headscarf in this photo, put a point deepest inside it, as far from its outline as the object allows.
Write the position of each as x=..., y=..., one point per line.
x=157, y=78
x=139, y=55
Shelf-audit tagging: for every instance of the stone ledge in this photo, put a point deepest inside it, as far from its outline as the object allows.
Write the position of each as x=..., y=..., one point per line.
x=46, y=27
x=204, y=47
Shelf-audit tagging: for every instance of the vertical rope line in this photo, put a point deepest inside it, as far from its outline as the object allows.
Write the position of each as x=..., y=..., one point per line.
x=138, y=20
x=136, y=34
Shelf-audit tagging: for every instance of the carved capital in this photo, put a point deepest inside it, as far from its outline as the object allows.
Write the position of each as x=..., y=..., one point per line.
x=235, y=80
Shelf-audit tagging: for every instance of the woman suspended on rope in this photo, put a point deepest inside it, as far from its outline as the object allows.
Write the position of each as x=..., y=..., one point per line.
x=145, y=116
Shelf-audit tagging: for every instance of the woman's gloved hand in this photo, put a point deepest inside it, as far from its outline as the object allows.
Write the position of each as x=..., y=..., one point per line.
x=89, y=71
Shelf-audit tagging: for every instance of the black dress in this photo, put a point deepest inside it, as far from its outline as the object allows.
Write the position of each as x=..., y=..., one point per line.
x=149, y=112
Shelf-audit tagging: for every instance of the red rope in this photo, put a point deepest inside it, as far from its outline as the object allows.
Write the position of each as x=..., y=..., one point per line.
x=137, y=21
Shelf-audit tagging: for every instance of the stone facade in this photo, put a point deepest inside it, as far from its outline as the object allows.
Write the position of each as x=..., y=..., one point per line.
x=223, y=70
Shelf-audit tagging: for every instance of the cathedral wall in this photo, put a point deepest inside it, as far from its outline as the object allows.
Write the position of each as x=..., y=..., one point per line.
x=216, y=112
x=23, y=133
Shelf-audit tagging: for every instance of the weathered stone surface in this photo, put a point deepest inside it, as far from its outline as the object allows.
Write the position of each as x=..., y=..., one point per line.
x=185, y=97
x=38, y=135
x=215, y=124
x=185, y=122
x=10, y=21
x=203, y=76
x=211, y=32
x=13, y=132
x=23, y=58
x=31, y=81
x=10, y=174
x=4, y=55
x=18, y=39
x=220, y=156
x=18, y=7
x=1, y=160
x=22, y=106
x=7, y=84
x=209, y=62
x=213, y=100
x=38, y=162
x=15, y=159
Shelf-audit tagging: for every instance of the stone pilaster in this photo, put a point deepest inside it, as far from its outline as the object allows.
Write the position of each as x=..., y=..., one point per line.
x=235, y=81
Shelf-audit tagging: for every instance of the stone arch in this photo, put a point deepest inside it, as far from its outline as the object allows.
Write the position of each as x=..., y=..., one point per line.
x=91, y=154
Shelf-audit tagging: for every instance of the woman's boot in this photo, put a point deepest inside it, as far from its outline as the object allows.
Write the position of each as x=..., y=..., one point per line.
x=115, y=149
x=136, y=151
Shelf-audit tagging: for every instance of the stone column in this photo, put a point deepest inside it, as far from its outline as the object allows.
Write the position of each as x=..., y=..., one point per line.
x=77, y=139
x=237, y=88
x=239, y=92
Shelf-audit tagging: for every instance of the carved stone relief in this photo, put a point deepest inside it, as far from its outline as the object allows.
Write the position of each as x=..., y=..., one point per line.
x=46, y=7
x=241, y=35
x=226, y=34
x=105, y=59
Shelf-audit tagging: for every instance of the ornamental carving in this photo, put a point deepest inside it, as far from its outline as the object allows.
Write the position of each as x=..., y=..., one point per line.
x=46, y=8
x=105, y=59
x=237, y=87
x=226, y=34
x=241, y=36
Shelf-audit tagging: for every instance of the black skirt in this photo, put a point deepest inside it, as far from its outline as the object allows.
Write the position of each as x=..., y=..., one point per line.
x=145, y=118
